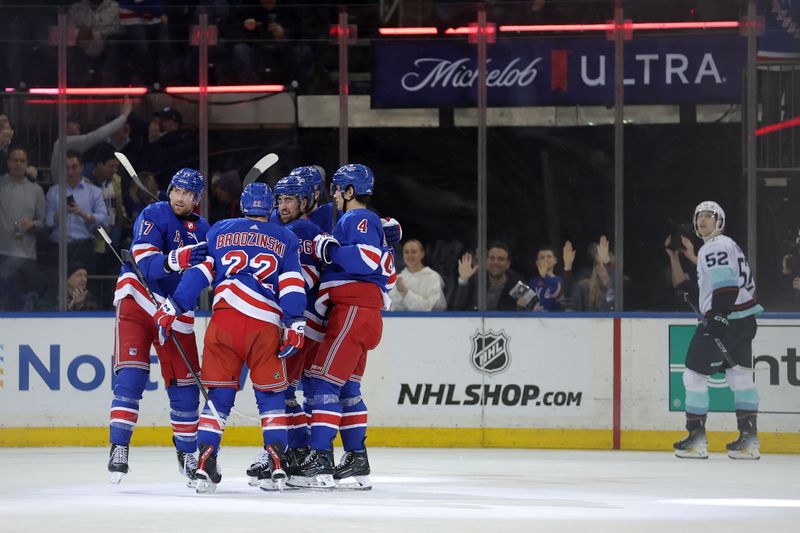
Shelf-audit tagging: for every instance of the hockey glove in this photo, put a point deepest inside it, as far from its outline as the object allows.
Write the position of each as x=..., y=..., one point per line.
x=717, y=325
x=164, y=318
x=185, y=257
x=392, y=230
x=324, y=244
x=293, y=338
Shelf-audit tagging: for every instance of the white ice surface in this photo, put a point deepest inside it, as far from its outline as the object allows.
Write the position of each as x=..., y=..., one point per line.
x=440, y=490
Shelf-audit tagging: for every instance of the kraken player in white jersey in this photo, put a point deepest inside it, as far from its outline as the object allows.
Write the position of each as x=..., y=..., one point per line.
x=728, y=303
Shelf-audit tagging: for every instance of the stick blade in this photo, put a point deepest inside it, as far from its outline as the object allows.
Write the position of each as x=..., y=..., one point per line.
x=123, y=159
x=259, y=168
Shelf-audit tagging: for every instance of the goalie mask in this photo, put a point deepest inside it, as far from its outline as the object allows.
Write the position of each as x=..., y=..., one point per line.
x=257, y=200
x=716, y=210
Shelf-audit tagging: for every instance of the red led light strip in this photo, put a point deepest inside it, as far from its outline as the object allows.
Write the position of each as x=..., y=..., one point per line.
x=791, y=123
x=537, y=28
x=133, y=91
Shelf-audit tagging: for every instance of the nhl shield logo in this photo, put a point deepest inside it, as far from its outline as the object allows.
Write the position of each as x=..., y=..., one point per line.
x=490, y=353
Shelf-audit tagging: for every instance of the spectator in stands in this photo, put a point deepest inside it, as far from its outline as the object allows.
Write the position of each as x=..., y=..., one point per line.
x=21, y=217
x=169, y=147
x=226, y=188
x=501, y=279
x=549, y=287
x=105, y=175
x=143, y=26
x=259, y=53
x=596, y=293
x=85, y=211
x=682, y=266
x=84, y=142
x=94, y=60
x=138, y=199
x=418, y=288
x=6, y=136
x=79, y=298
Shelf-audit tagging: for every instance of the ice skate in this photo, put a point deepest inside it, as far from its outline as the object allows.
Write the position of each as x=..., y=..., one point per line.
x=694, y=446
x=353, y=471
x=208, y=474
x=187, y=466
x=118, y=462
x=260, y=463
x=293, y=458
x=316, y=471
x=274, y=476
x=745, y=447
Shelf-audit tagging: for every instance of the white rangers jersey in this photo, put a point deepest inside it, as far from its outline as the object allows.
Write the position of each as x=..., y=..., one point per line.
x=722, y=267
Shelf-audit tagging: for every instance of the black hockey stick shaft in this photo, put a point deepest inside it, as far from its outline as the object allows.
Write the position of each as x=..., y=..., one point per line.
x=725, y=354
x=132, y=172
x=126, y=257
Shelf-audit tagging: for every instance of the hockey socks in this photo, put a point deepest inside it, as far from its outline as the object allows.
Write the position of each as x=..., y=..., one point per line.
x=128, y=388
x=274, y=422
x=296, y=420
x=353, y=426
x=326, y=414
x=210, y=431
x=184, y=403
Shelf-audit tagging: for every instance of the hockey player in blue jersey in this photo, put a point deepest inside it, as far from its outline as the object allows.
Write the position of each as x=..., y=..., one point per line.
x=167, y=239
x=359, y=269
x=254, y=268
x=293, y=196
x=319, y=213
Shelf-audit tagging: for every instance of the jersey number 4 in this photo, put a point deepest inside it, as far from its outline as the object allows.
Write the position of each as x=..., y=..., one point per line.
x=262, y=265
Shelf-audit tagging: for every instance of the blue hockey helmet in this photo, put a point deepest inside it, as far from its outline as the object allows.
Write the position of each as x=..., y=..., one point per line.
x=356, y=175
x=190, y=180
x=257, y=200
x=296, y=185
x=312, y=174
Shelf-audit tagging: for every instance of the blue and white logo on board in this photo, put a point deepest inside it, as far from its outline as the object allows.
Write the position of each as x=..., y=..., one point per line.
x=490, y=354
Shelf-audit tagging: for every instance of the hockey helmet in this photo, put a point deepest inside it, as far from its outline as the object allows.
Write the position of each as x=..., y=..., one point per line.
x=257, y=200
x=356, y=175
x=190, y=180
x=296, y=185
x=310, y=173
x=719, y=215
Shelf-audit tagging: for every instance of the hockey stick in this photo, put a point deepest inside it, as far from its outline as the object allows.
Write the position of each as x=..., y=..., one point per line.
x=717, y=341
x=126, y=257
x=259, y=168
x=132, y=173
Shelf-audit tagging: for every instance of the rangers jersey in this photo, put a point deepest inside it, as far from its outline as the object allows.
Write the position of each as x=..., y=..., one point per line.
x=254, y=267
x=323, y=217
x=156, y=232
x=305, y=230
x=722, y=271
x=361, y=260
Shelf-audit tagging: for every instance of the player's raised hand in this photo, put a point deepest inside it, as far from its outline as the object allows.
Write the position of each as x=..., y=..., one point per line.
x=293, y=338
x=164, y=318
x=392, y=230
x=185, y=257
x=324, y=243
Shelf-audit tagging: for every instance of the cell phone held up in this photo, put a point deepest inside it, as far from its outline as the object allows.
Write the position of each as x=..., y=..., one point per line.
x=71, y=201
